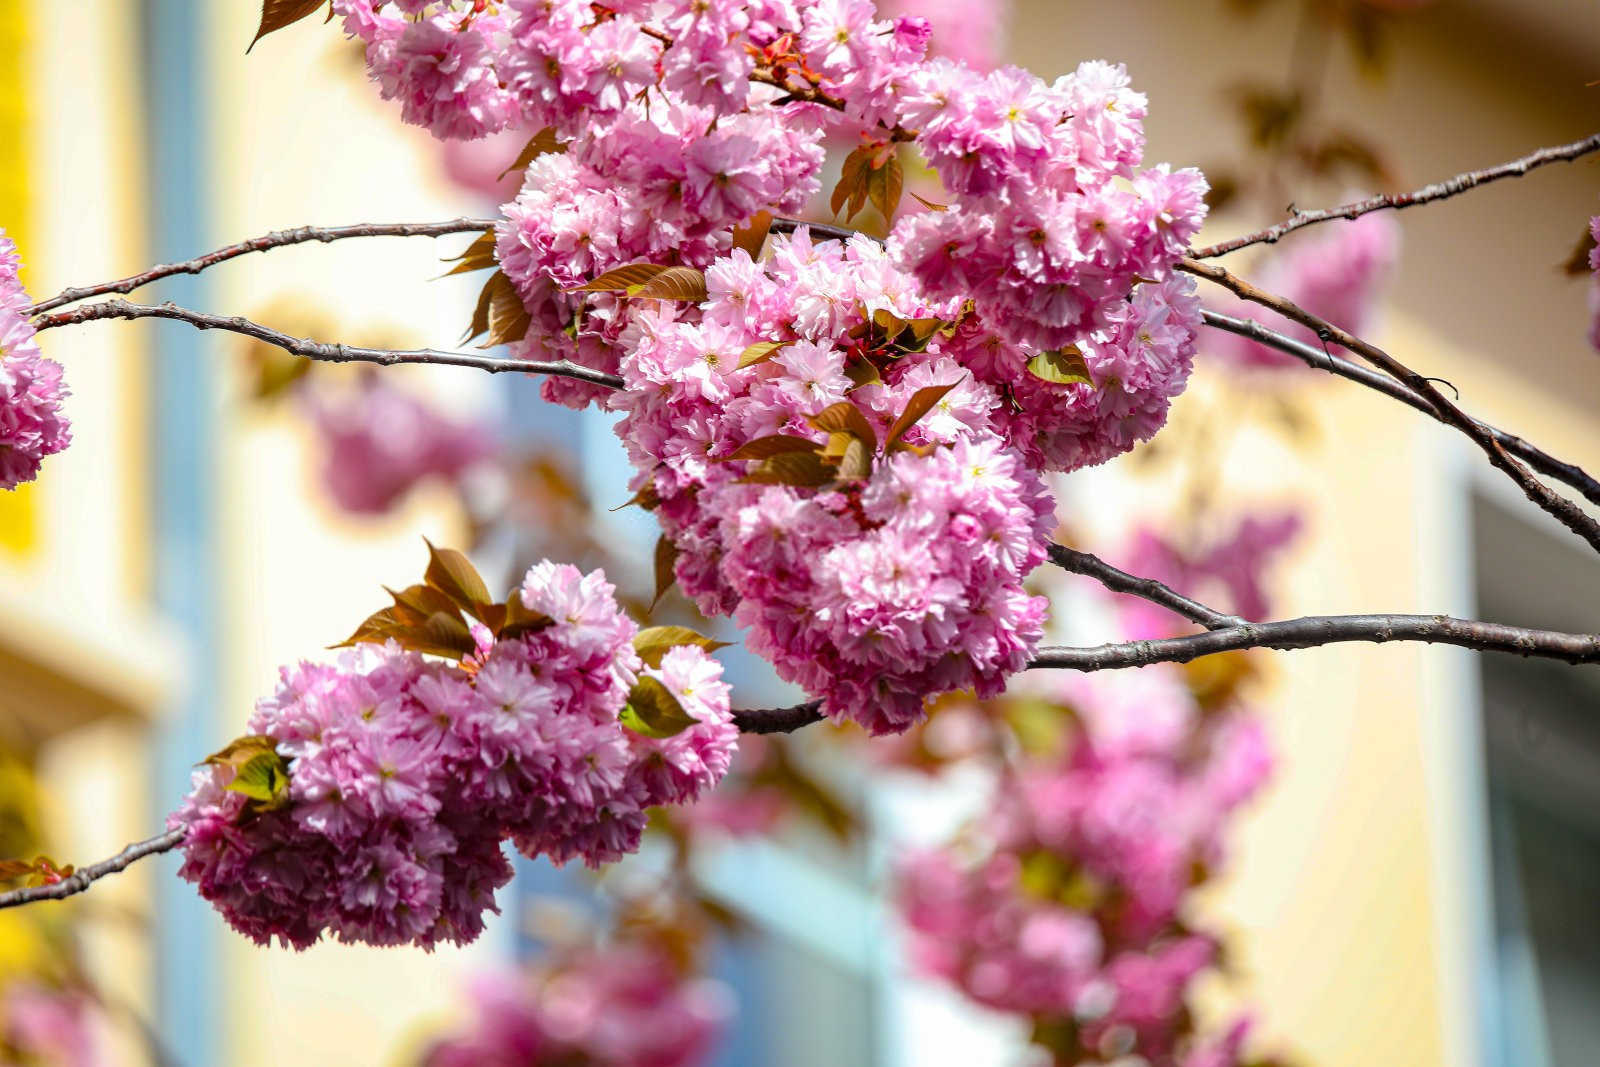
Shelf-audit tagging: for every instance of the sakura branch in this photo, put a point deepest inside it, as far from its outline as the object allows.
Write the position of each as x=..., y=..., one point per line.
x=1325, y=359
x=1455, y=186
x=1569, y=514
x=325, y=352
x=84, y=877
x=264, y=243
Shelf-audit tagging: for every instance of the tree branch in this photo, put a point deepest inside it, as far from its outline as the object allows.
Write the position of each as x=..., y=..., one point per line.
x=265, y=243
x=1571, y=515
x=1396, y=201
x=1120, y=581
x=1285, y=635
x=1323, y=359
x=84, y=877
x=1318, y=630
x=777, y=720
x=328, y=353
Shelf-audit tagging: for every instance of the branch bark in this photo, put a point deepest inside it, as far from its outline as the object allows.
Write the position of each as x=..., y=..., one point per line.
x=1397, y=201
x=118, y=308
x=1570, y=515
x=1324, y=359
x=1120, y=581
x=264, y=243
x=84, y=877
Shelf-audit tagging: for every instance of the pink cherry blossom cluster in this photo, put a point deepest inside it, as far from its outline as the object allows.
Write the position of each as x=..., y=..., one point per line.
x=406, y=774
x=621, y=1005
x=647, y=187
x=872, y=592
x=1053, y=221
x=32, y=424
x=962, y=30
x=1336, y=276
x=1067, y=903
x=1232, y=565
x=379, y=442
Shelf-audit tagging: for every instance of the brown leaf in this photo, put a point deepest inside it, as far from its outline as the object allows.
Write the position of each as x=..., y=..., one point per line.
x=845, y=417
x=775, y=445
x=666, y=568
x=478, y=256
x=276, y=14
x=791, y=468
x=921, y=402
x=929, y=204
x=621, y=279
x=673, y=283
x=855, y=465
x=452, y=574
x=887, y=183
x=508, y=315
x=647, y=498
x=852, y=180
x=542, y=143
x=521, y=619
x=415, y=603
x=753, y=234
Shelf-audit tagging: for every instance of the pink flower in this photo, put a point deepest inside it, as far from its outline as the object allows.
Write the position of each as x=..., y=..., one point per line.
x=32, y=424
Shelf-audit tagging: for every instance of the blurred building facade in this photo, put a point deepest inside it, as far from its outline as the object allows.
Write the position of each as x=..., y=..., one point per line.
x=1417, y=886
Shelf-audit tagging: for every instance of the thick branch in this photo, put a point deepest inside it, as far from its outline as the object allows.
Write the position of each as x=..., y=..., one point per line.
x=265, y=243
x=1285, y=635
x=1396, y=201
x=1120, y=581
x=84, y=877
x=1571, y=515
x=327, y=353
x=777, y=720
x=1324, y=359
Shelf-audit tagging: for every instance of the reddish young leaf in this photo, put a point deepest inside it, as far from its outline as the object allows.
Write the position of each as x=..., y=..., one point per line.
x=276, y=14
x=621, y=279
x=673, y=283
x=845, y=417
x=791, y=468
x=776, y=445
x=542, y=143
x=921, y=402
x=753, y=234
x=666, y=563
x=452, y=574
x=479, y=255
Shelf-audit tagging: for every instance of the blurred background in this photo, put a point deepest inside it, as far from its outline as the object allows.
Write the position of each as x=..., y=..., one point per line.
x=1416, y=885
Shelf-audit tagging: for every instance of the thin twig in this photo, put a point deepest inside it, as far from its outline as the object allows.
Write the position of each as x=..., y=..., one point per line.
x=1396, y=201
x=1570, y=515
x=264, y=243
x=1322, y=359
x=1120, y=581
x=84, y=877
x=118, y=308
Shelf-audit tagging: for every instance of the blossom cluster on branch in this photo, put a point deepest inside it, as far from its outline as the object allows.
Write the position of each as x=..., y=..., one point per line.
x=372, y=795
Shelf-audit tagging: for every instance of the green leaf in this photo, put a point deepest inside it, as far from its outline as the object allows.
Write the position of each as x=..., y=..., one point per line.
x=654, y=642
x=621, y=279
x=922, y=401
x=264, y=778
x=845, y=417
x=1063, y=366
x=666, y=563
x=452, y=574
x=673, y=283
x=776, y=445
x=791, y=468
x=653, y=711
x=479, y=255
x=276, y=14
x=542, y=143
x=759, y=352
